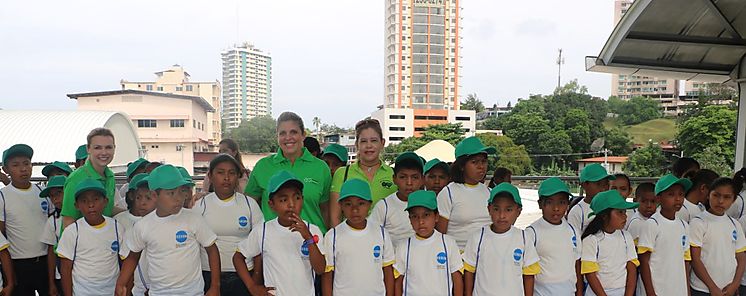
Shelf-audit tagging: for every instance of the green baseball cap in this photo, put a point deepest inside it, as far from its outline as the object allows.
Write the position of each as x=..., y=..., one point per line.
x=409, y=155
x=17, y=149
x=505, y=187
x=422, y=198
x=89, y=184
x=337, y=150
x=471, y=146
x=185, y=175
x=82, y=152
x=435, y=163
x=54, y=182
x=669, y=180
x=594, y=173
x=553, y=186
x=138, y=180
x=166, y=177
x=280, y=178
x=56, y=165
x=610, y=200
x=355, y=188
x=133, y=166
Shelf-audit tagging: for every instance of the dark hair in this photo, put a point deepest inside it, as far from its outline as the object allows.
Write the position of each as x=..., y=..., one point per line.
x=500, y=172
x=740, y=178
x=312, y=145
x=623, y=176
x=644, y=187
x=597, y=223
x=724, y=181
x=223, y=157
x=232, y=145
x=367, y=123
x=702, y=177
x=290, y=116
x=682, y=165
x=408, y=164
x=99, y=131
x=457, y=168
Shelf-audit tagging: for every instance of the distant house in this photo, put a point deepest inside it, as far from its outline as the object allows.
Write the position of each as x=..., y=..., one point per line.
x=614, y=163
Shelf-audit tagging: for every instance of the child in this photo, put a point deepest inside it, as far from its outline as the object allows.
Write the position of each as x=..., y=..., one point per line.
x=736, y=210
x=232, y=216
x=427, y=263
x=133, y=168
x=498, y=260
x=696, y=198
x=81, y=155
x=170, y=238
x=89, y=248
x=684, y=166
x=140, y=203
x=645, y=196
x=335, y=156
x=718, y=245
x=622, y=184
x=609, y=260
x=22, y=219
x=390, y=211
x=56, y=168
x=186, y=191
x=51, y=234
x=461, y=203
x=556, y=242
x=500, y=175
x=436, y=175
x=663, y=247
x=359, y=255
x=594, y=179
x=7, y=266
x=287, y=251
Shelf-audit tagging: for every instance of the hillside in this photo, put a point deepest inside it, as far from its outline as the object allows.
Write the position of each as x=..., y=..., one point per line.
x=662, y=129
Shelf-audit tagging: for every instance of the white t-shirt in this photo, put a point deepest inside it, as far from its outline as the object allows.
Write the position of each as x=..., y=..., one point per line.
x=736, y=210
x=498, y=260
x=357, y=258
x=558, y=248
x=390, y=212
x=742, y=221
x=94, y=251
x=578, y=216
x=4, y=244
x=51, y=235
x=141, y=271
x=120, y=201
x=668, y=242
x=635, y=226
x=608, y=254
x=232, y=221
x=427, y=264
x=719, y=238
x=465, y=207
x=172, y=245
x=25, y=215
x=286, y=261
x=689, y=210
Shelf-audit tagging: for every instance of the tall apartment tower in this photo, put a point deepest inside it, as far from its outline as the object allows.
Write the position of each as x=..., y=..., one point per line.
x=247, y=84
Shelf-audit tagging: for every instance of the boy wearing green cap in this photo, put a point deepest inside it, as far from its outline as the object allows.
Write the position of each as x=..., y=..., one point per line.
x=390, y=211
x=557, y=243
x=436, y=175
x=56, y=168
x=429, y=262
x=89, y=248
x=51, y=234
x=488, y=269
x=593, y=179
x=170, y=237
x=287, y=250
x=22, y=219
x=335, y=156
x=609, y=260
x=359, y=255
x=139, y=203
x=663, y=247
x=133, y=168
x=81, y=155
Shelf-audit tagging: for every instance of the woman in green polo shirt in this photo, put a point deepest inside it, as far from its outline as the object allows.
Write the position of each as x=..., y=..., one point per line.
x=293, y=157
x=368, y=167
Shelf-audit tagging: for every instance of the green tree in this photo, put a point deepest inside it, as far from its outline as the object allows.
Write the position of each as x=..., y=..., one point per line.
x=256, y=135
x=577, y=125
x=492, y=123
x=648, y=161
x=408, y=144
x=713, y=158
x=639, y=109
x=449, y=132
x=331, y=129
x=317, y=124
x=472, y=102
x=615, y=104
x=714, y=126
x=509, y=155
x=618, y=141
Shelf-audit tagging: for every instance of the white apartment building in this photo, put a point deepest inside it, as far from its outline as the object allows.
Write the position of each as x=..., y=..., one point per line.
x=247, y=84
x=398, y=124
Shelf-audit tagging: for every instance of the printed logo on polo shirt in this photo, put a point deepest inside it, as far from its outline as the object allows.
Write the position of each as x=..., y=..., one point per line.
x=441, y=258
x=517, y=255
x=243, y=221
x=115, y=247
x=45, y=206
x=735, y=235
x=387, y=184
x=310, y=180
x=377, y=252
x=181, y=237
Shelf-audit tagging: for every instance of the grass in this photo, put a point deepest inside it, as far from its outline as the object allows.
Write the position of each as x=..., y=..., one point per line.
x=662, y=129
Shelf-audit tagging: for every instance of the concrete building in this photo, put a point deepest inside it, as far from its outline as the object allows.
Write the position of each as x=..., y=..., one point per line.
x=398, y=124
x=613, y=164
x=348, y=140
x=247, y=84
x=175, y=80
x=494, y=111
x=171, y=127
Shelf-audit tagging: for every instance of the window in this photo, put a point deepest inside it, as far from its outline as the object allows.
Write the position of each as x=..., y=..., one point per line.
x=179, y=88
x=154, y=146
x=462, y=118
x=396, y=128
x=177, y=122
x=149, y=87
x=194, y=123
x=189, y=88
x=160, y=88
x=396, y=116
x=396, y=138
x=146, y=123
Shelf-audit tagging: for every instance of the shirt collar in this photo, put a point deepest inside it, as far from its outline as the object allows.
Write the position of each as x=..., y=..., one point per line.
x=279, y=157
x=108, y=173
x=384, y=168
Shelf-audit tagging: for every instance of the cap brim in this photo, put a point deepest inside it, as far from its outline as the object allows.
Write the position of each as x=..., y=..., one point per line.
x=623, y=205
x=341, y=197
x=609, y=177
x=340, y=157
x=440, y=164
x=686, y=183
x=97, y=189
x=297, y=182
x=45, y=192
x=553, y=192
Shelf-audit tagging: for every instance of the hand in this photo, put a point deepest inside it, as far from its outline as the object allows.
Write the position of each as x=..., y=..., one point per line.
x=260, y=290
x=731, y=289
x=5, y=179
x=300, y=227
x=53, y=289
x=213, y=291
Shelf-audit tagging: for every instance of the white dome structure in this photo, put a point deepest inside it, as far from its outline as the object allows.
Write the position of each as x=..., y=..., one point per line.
x=437, y=149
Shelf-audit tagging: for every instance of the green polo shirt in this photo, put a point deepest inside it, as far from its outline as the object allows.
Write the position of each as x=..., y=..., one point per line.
x=312, y=171
x=82, y=173
x=381, y=186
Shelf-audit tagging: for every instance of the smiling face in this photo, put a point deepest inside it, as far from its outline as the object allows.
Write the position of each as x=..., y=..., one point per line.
x=286, y=202
x=369, y=145
x=290, y=138
x=423, y=220
x=721, y=198
x=224, y=178
x=355, y=209
x=19, y=169
x=503, y=212
x=436, y=178
x=553, y=208
x=101, y=150
x=91, y=205
x=475, y=168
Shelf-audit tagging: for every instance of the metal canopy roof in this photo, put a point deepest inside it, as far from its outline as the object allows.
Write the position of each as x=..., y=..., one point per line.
x=700, y=40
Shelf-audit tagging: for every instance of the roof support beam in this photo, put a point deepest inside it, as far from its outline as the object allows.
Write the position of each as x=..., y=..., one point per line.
x=721, y=17
x=688, y=40
x=718, y=69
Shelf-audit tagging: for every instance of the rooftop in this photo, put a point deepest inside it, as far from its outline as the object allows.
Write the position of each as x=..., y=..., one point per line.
x=199, y=100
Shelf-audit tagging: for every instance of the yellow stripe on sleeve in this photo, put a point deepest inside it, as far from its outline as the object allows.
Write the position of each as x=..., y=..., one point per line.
x=4, y=247
x=385, y=264
x=694, y=245
x=532, y=269
x=643, y=250
x=636, y=241
x=62, y=257
x=396, y=274
x=461, y=270
x=587, y=267
x=635, y=262
x=329, y=268
x=741, y=250
x=468, y=267
x=688, y=255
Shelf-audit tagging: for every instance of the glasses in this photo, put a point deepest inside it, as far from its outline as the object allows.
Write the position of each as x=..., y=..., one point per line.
x=367, y=121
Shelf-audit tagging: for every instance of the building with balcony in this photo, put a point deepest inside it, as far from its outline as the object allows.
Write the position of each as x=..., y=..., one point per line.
x=247, y=84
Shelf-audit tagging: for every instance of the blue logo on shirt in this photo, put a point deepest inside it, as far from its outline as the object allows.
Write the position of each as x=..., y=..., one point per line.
x=735, y=235
x=243, y=221
x=304, y=249
x=44, y=205
x=376, y=251
x=115, y=246
x=683, y=240
x=441, y=258
x=517, y=254
x=181, y=236
x=574, y=241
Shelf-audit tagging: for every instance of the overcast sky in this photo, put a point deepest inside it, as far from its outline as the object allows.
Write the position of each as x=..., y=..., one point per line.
x=327, y=55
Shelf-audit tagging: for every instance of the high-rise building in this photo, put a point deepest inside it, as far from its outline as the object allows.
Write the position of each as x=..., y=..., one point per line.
x=175, y=80
x=247, y=84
